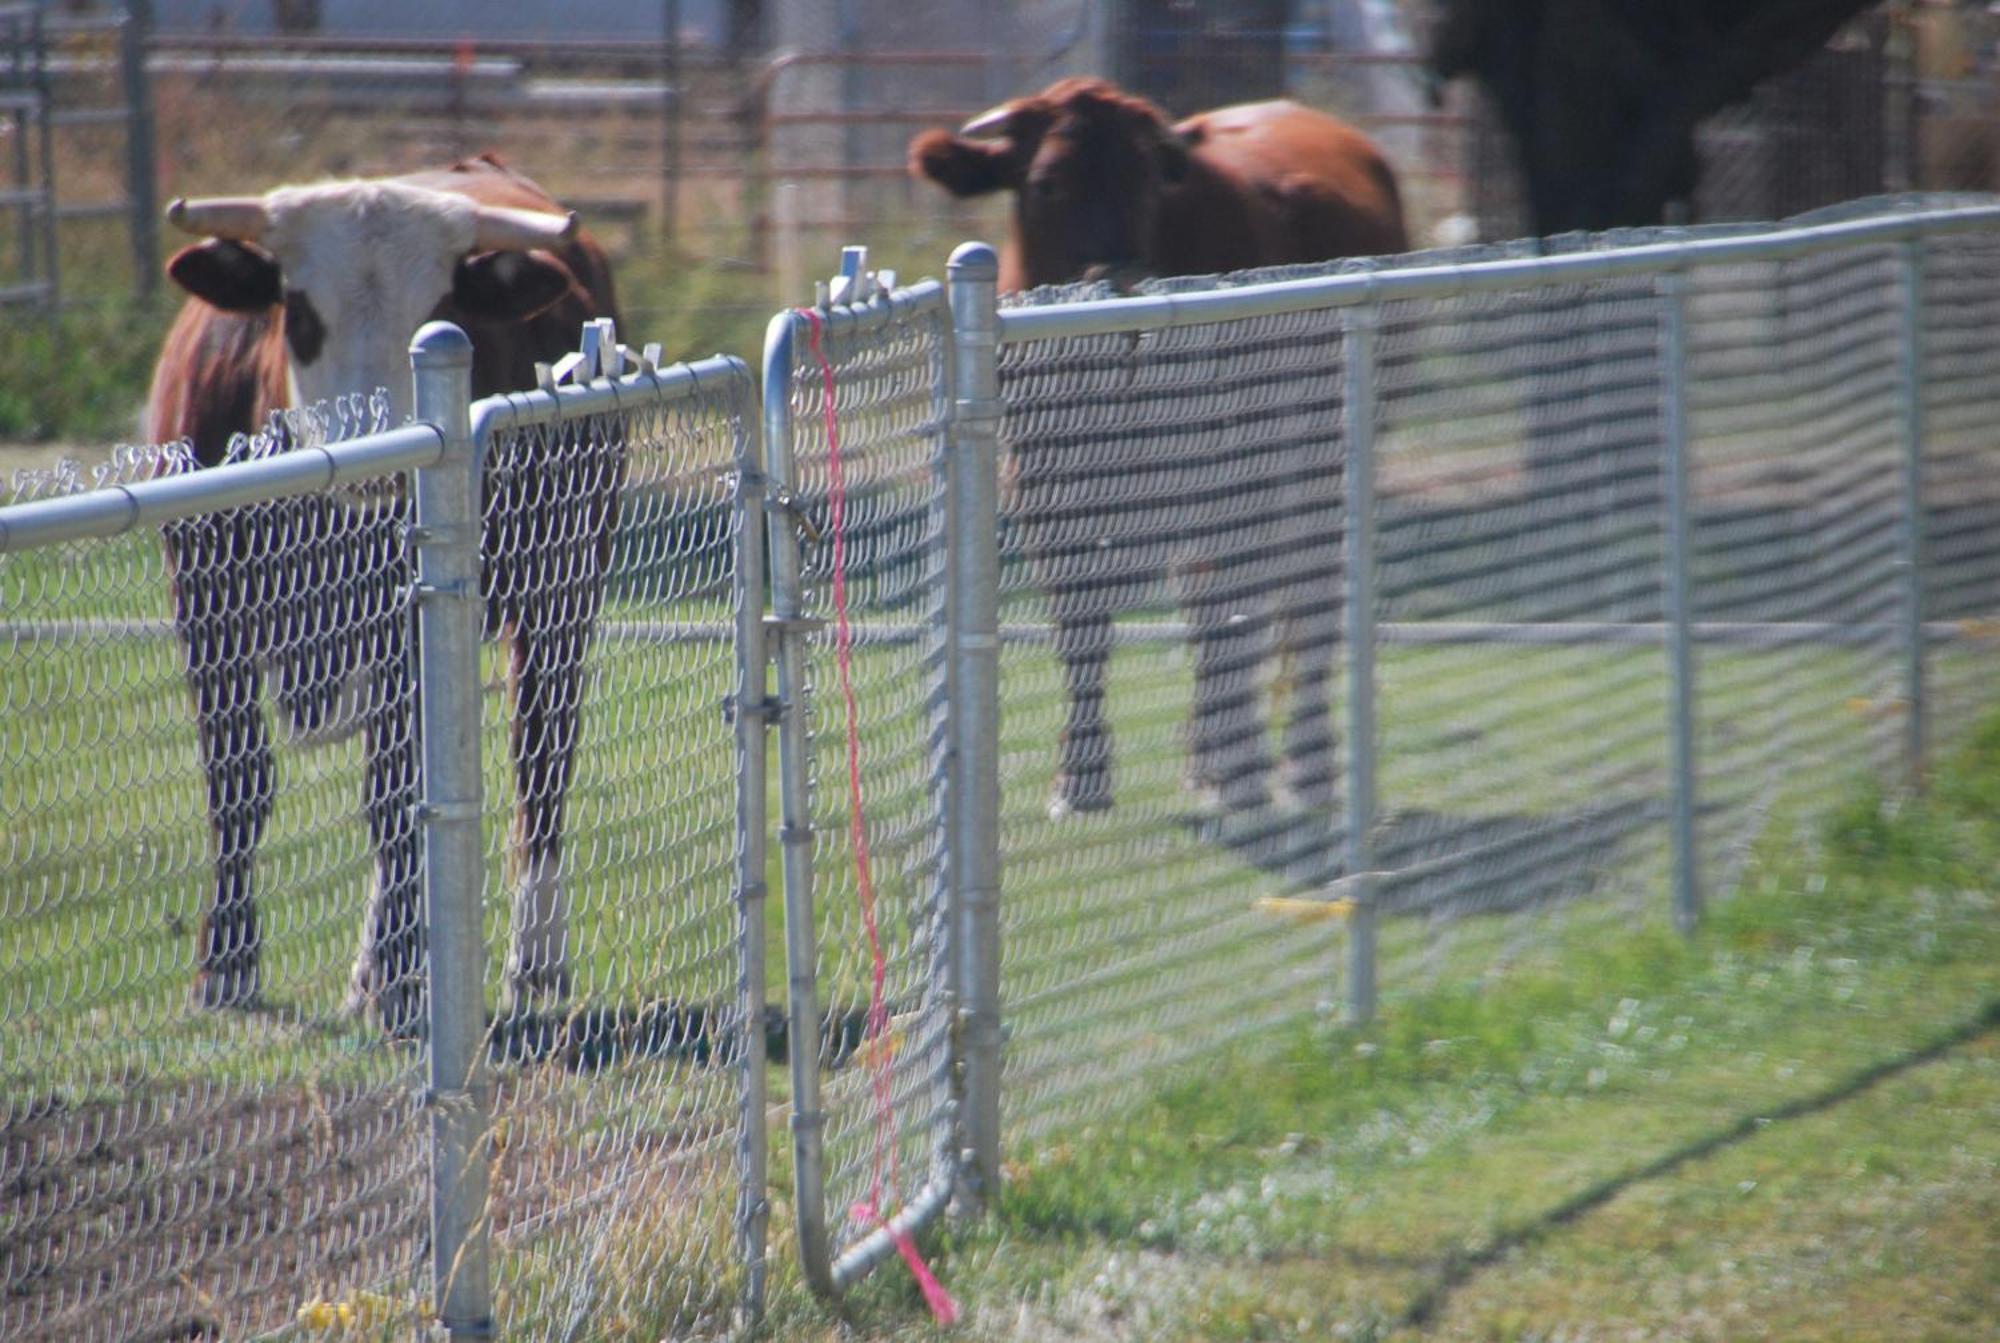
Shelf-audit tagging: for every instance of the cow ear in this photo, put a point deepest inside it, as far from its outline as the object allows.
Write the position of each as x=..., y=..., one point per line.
x=1174, y=150
x=509, y=286
x=965, y=167
x=233, y=276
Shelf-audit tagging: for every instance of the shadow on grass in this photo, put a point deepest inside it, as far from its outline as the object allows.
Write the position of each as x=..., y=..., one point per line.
x=1460, y=1268
x=1436, y=863
x=590, y=1039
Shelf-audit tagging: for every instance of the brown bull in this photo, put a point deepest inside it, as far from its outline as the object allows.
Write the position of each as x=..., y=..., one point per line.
x=1104, y=187
x=311, y=293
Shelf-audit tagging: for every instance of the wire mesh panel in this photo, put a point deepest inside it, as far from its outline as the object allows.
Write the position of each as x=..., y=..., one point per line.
x=1524, y=607
x=616, y=949
x=1797, y=519
x=867, y=393
x=1169, y=609
x=1521, y=689
x=1961, y=477
x=207, y=770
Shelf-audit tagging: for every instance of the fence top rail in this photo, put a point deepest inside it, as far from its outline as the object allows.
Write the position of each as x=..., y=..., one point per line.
x=116, y=509
x=639, y=388
x=1159, y=312
x=883, y=308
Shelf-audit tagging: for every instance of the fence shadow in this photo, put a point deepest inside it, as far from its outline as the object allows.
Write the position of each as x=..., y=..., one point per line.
x=1441, y=863
x=1461, y=1267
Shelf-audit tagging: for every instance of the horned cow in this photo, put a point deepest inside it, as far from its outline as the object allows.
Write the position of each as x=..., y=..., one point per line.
x=313, y=292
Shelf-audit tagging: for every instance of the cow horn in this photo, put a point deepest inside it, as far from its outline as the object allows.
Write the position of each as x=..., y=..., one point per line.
x=238, y=218
x=498, y=228
x=993, y=121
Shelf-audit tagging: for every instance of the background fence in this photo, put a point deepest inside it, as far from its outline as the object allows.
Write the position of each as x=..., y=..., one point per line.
x=1277, y=639
x=755, y=150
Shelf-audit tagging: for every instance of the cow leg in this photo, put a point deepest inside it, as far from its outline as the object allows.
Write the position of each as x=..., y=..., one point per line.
x=388, y=968
x=1310, y=633
x=1229, y=764
x=236, y=759
x=367, y=646
x=547, y=678
x=218, y=637
x=1083, y=770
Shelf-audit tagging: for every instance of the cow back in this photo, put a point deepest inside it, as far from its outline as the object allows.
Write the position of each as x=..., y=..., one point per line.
x=1276, y=183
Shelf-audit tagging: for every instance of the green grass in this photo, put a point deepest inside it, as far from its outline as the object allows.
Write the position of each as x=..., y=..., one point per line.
x=80, y=377
x=1782, y=1127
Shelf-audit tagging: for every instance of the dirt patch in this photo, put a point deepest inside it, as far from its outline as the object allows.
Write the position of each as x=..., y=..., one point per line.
x=192, y=1213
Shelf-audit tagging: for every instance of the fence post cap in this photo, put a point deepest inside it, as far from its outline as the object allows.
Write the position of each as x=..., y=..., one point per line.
x=975, y=261
x=440, y=344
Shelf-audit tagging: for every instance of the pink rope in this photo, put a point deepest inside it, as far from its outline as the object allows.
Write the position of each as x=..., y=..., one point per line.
x=876, y=1043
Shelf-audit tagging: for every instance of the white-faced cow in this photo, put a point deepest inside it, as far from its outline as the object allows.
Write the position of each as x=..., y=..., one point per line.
x=1105, y=188
x=313, y=292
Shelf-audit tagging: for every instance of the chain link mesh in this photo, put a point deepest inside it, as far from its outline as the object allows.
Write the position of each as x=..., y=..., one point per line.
x=886, y=1093
x=1521, y=705
x=168, y=1169
x=1797, y=517
x=1524, y=770
x=1170, y=550
x=1961, y=482
x=611, y=912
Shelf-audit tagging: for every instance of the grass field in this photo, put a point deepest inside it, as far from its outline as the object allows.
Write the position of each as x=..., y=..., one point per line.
x=1784, y=1127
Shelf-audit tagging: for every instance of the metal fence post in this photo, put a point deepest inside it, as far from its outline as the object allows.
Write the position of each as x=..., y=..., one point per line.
x=975, y=712
x=753, y=718
x=1678, y=598
x=1910, y=390
x=1358, y=559
x=787, y=624
x=141, y=193
x=448, y=620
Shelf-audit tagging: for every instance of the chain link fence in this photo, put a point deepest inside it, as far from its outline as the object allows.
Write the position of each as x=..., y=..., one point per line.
x=1636, y=554
x=1147, y=670
x=1172, y=532
x=629, y=1044
x=859, y=561
x=171, y=1169
x=216, y=771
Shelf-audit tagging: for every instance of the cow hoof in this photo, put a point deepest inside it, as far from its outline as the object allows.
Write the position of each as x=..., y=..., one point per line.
x=1245, y=793
x=1312, y=794
x=397, y=1010
x=1072, y=796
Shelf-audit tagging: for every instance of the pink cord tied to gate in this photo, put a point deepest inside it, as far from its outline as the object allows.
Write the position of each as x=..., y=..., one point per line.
x=876, y=1046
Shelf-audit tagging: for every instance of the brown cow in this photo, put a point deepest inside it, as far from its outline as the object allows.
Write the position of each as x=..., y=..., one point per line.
x=310, y=293
x=1104, y=187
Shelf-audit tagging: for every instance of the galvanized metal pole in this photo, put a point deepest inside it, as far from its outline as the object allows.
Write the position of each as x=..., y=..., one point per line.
x=753, y=718
x=788, y=622
x=448, y=618
x=142, y=196
x=1672, y=290
x=973, y=277
x=1910, y=391
x=1358, y=558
